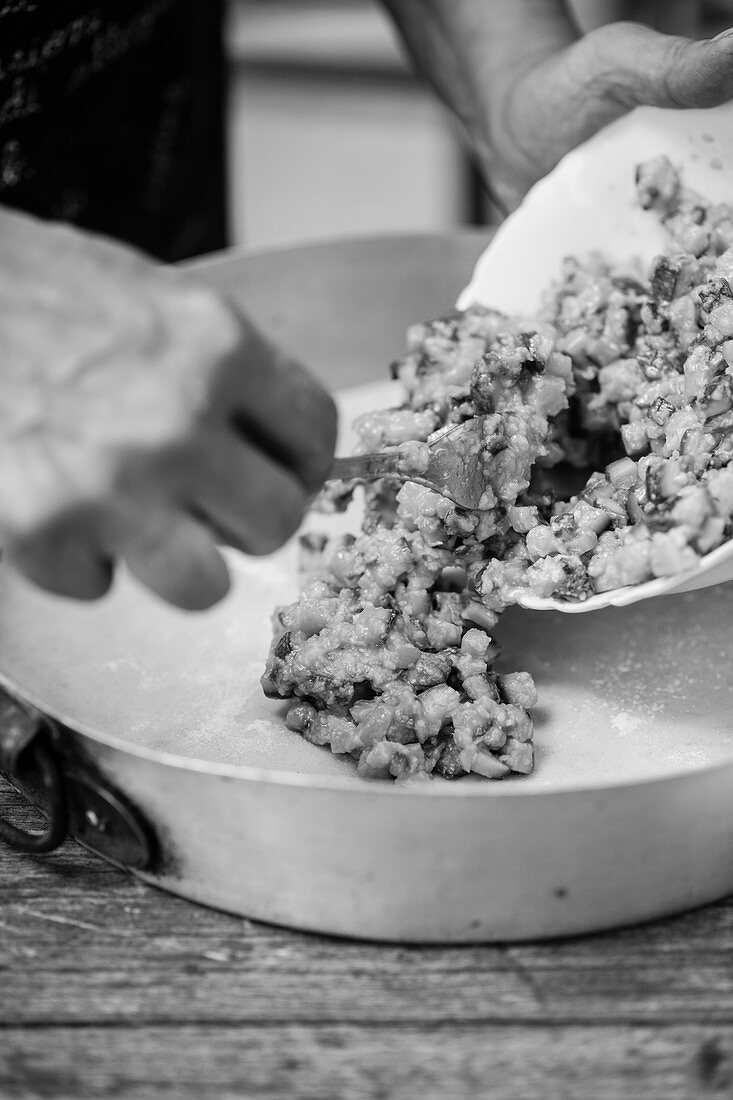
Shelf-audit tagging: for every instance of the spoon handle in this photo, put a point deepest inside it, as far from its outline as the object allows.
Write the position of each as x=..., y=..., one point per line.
x=367, y=467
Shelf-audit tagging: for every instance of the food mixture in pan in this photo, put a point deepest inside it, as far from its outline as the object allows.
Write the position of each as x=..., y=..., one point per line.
x=607, y=449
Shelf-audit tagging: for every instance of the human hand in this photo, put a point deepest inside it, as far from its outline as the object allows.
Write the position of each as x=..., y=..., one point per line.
x=527, y=88
x=568, y=91
x=141, y=417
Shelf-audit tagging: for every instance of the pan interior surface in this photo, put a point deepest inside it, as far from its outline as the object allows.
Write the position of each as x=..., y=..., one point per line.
x=626, y=694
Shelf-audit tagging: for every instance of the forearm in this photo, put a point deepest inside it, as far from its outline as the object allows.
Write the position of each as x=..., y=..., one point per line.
x=473, y=51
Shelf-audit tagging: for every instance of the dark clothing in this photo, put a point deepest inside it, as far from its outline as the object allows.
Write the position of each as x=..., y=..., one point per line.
x=112, y=117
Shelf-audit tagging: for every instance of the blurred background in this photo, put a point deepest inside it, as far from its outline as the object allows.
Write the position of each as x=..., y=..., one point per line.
x=331, y=135
x=329, y=132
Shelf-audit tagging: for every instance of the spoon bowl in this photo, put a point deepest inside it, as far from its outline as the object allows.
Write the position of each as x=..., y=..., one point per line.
x=454, y=464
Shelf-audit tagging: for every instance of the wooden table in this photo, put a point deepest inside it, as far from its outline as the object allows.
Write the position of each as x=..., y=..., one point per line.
x=109, y=988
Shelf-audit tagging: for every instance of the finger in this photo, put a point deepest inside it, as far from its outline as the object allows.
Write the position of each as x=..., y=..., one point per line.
x=695, y=74
x=641, y=67
x=249, y=500
x=62, y=561
x=281, y=410
x=174, y=556
x=568, y=97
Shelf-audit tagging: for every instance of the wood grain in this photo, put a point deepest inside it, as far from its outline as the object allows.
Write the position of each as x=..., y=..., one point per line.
x=335, y=1062
x=111, y=989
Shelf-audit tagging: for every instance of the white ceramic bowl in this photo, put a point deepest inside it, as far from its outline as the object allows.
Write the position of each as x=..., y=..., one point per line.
x=588, y=203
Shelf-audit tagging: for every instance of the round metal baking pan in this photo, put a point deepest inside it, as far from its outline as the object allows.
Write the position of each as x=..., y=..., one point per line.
x=628, y=815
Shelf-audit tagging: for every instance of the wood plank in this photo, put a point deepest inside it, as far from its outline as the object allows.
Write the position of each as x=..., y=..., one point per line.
x=379, y=1063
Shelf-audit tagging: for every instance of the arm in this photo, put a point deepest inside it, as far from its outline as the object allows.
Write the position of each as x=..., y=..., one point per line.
x=527, y=87
x=141, y=417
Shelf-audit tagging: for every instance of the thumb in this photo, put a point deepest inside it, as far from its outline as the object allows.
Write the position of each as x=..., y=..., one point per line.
x=568, y=96
x=632, y=65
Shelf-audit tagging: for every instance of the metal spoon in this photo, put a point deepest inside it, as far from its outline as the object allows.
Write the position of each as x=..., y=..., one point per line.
x=456, y=466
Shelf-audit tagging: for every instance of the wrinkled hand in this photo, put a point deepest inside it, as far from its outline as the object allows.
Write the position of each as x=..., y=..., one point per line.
x=141, y=418
x=564, y=93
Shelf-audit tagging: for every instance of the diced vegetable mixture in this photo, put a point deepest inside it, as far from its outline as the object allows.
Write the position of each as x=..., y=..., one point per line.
x=608, y=462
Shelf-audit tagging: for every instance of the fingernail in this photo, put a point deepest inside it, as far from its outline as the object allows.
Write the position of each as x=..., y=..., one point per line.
x=723, y=34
